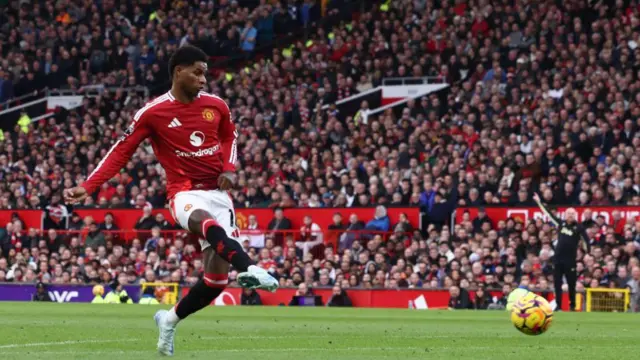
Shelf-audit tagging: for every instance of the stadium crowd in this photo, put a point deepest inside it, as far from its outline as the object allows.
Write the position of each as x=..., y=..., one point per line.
x=543, y=97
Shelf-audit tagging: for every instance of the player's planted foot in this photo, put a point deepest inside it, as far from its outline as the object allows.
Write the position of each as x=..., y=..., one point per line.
x=167, y=332
x=257, y=278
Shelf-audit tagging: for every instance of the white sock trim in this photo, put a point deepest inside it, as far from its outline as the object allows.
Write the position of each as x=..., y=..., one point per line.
x=172, y=317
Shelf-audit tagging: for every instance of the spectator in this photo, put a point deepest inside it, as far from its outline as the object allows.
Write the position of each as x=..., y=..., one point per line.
x=265, y=260
x=311, y=236
x=163, y=223
x=302, y=296
x=403, y=225
x=5, y=239
x=19, y=239
x=76, y=223
x=54, y=241
x=335, y=229
x=480, y=221
x=380, y=222
x=352, y=233
x=146, y=221
x=256, y=236
x=248, y=37
x=339, y=298
x=250, y=297
x=95, y=238
x=153, y=242
x=41, y=293
x=459, y=298
x=481, y=301
x=279, y=223
x=109, y=224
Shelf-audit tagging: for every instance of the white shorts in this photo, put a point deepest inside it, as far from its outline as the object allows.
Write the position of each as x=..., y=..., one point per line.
x=217, y=203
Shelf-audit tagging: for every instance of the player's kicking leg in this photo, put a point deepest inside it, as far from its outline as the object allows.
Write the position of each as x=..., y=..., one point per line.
x=206, y=290
x=216, y=229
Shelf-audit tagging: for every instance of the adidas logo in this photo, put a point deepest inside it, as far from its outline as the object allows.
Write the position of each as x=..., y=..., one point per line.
x=175, y=123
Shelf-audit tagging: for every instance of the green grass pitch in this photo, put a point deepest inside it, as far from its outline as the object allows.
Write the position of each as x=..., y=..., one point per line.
x=84, y=331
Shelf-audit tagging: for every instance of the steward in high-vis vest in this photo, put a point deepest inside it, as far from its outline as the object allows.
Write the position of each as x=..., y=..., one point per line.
x=118, y=295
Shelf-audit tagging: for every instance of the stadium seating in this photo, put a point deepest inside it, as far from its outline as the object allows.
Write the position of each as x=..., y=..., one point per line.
x=542, y=98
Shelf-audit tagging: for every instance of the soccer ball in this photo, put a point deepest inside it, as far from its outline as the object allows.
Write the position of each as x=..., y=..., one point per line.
x=532, y=314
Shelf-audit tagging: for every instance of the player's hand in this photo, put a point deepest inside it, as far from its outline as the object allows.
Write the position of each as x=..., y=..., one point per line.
x=226, y=181
x=75, y=195
x=536, y=197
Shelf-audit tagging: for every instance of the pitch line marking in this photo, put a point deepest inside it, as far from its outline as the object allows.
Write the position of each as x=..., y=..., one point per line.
x=68, y=342
x=306, y=349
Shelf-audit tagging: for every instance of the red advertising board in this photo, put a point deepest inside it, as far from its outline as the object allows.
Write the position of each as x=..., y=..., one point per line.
x=127, y=218
x=31, y=218
x=528, y=213
x=378, y=298
x=360, y=298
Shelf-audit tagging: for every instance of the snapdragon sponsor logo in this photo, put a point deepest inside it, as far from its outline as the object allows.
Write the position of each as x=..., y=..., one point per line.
x=200, y=153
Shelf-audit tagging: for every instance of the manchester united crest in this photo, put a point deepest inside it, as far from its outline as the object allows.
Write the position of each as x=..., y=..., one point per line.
x=241, y=221
x=208, y=114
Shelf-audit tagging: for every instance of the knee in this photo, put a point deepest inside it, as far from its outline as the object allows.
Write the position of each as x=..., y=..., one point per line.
x=196, y=219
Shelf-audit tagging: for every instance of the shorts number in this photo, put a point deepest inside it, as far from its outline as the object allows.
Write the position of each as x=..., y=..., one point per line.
x=233, y=223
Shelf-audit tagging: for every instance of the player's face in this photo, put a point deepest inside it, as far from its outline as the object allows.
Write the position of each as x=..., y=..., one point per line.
x=192, y=79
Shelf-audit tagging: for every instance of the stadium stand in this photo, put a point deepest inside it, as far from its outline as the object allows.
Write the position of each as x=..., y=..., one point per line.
x=542, y=98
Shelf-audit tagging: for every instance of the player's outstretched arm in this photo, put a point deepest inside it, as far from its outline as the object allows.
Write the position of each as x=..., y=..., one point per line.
x=111, y=164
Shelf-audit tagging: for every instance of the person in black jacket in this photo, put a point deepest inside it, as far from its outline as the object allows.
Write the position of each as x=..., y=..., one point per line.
x=41, y=293
x=440, y=212
x=482, y=300
x=279, y=223
x=564, y=262
x=339, y=298
x=250, y=297
x=459, y=298
x=480, y=220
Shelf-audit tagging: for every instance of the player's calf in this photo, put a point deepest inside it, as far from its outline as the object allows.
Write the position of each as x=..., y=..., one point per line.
x=230, y=250
x=199, y=297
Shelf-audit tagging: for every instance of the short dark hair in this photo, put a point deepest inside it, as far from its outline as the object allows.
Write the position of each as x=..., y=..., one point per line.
x=186, y=55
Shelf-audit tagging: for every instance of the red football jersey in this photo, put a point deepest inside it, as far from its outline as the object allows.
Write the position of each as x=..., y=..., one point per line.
x=194, y=143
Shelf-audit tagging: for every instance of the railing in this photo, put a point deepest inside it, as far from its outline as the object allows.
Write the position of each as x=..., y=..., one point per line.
x=96, y=90
x=397, y=104
x=22, y=106
x=354, y=97
x=9, y=103
x=257, y=238
x=424, y=80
